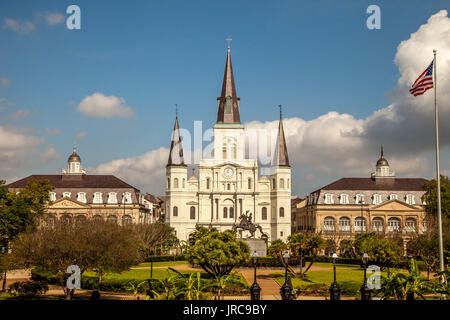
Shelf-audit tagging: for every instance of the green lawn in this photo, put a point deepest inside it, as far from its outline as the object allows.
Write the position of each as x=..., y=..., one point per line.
x=349, y=276
x=144, y=274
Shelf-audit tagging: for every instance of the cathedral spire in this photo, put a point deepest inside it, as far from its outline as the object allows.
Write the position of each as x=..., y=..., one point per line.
x=176, y=149
x=228, y=102
x=283, y=158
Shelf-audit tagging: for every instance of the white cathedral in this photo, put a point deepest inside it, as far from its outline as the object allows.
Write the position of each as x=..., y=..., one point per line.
x=228, y=184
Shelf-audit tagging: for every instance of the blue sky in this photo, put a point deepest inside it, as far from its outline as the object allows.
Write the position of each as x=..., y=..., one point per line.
x=312, y=57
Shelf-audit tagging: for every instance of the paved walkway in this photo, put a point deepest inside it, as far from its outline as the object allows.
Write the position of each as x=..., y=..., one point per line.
x=270, y=289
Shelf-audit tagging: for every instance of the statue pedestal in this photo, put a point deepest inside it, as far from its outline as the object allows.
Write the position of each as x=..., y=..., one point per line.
x=257, y=245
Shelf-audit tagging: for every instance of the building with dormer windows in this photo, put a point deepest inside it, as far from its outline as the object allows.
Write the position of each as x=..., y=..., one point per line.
x=78, y=196
x=382, y=203
x=228, y=184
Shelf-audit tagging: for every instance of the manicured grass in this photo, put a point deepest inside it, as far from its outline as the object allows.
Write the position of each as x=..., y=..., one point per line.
x=138, y=274
x=344, y=273
x=163, y=264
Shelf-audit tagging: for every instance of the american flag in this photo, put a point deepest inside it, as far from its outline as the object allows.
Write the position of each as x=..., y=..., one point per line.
x=423, y=82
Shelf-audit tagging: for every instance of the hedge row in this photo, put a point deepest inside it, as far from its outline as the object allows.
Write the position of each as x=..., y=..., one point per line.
x=179, y=257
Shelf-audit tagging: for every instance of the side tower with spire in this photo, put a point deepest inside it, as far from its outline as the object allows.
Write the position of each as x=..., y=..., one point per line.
x=176, y=175
x=280, y=182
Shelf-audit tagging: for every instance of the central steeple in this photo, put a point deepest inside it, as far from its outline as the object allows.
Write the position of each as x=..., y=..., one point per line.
x=228, y=102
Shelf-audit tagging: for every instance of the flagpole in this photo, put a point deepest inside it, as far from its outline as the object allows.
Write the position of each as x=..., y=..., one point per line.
x=438, y=174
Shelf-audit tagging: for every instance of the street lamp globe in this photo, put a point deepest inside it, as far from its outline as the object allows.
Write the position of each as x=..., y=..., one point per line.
x=334, y=256
x=365, y=258
x=255, y=256
x=286, y=257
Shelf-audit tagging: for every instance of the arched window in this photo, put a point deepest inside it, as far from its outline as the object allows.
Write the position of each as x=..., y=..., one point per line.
x=231, y=212
x=359, y=199
x=175, y=211
x=225, y=212
x=411, y=225
x=344, y=224
x=184, y=183
x=393, y=197
x=80, y=219
x=192, y=213
x=281, y=183
x=360, y=224
x=264, y=213
x=175, y=183
x=66, y=194
x=394, y=225
x=67, y=219
x=97, y=218
x=228, y=186
x=126, y=197
x=329, y=224
x=208, y=181
x=274, y=183
x=126, y=220
x=378, y=225
x=281, y=212
x=51, y=219
x=112, y=218
x=249, y=183
x=168, y=183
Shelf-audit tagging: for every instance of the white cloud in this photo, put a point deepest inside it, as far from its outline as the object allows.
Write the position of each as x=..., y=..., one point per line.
x=146, y=171
x=16, y=148
x=19, y=26
x=101, y=106
x=49, y=155
x=53, y=18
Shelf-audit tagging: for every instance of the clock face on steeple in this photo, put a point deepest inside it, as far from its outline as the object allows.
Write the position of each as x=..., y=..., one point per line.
x=228, y=172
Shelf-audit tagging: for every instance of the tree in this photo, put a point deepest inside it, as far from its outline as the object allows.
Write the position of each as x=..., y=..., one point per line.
x=426, y=247
x=430, y=197
x=20, y=212
x=330, y=247
x=346, y=249
x=96, y=245
x=302, y=244
x=153, y=236
x=379, y=249
x=217, y=252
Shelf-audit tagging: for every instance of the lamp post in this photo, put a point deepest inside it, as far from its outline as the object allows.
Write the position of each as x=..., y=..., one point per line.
x=365, y=291
x=335, y=291
x=255, y=289
x=286, y=289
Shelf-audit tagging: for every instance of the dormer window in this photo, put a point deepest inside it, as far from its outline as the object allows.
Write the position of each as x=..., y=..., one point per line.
x=112, y=197
x=329, y=198
x=393, y=197
x=52, y=196
x=359, y=199
x=376, y=199
x=126, y=197
x=66, y=194
x=97, y=197
x=343, y=199
x=410, y=199
x=81, y=197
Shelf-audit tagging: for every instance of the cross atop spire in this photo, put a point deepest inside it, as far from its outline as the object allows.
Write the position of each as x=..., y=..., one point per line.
x=176, y=110
x=280, y=111
x=382, y=155
x=229, y=40
x=228, y=102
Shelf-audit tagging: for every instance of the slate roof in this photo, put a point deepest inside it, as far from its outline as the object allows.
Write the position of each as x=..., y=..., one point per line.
x=394, y=184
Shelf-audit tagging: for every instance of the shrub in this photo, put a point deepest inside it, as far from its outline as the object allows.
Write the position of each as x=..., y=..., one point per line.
x=28, y=288
x=165, y=258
